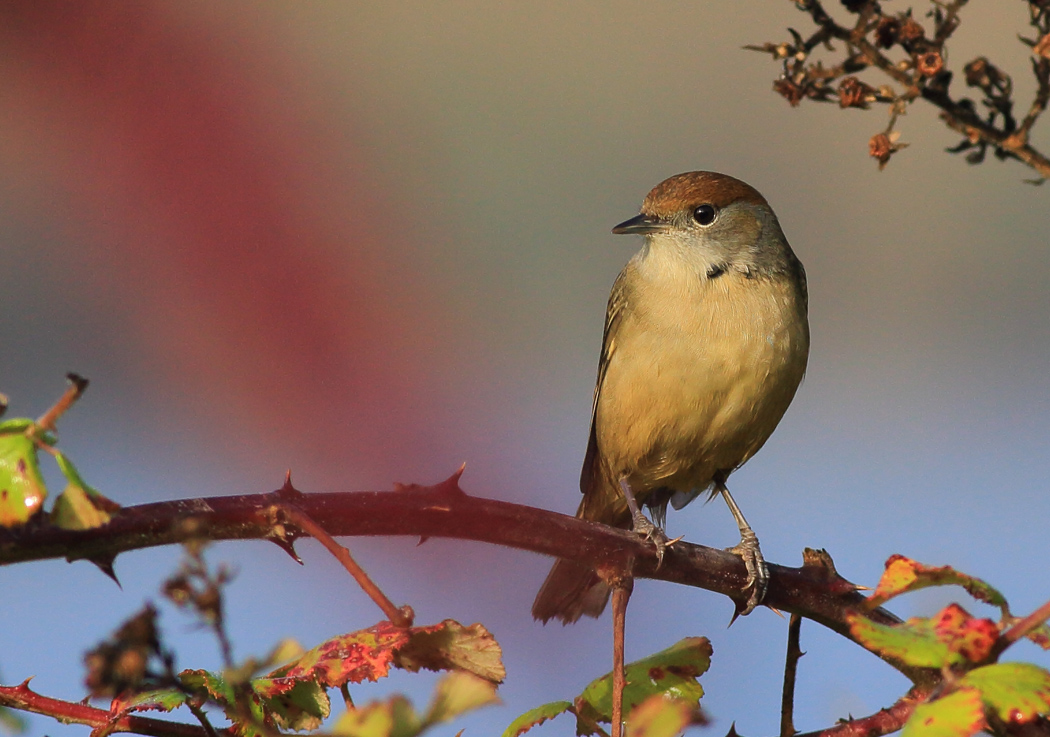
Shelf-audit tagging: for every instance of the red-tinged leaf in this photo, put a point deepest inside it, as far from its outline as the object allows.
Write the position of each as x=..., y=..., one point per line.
x=658, y=716
x=903, y=575
x=959, y=714
x=449, y=646
x=1017, y=692
x=365, y=655
x=972, y=638
x=534, y=717
x=914, y=642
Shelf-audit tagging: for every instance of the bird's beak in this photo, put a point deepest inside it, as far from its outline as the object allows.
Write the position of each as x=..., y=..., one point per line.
x=641, y=225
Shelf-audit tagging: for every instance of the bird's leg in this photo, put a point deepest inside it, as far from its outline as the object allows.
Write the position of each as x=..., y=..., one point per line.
x=642, y=525
x=747, y=548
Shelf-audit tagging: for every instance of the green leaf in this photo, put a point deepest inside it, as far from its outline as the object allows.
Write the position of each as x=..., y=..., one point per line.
x=537, y=716
x=658, y=716
x=672, y=672
x=958, y=714
x=1017, y=692
x=22, y=489
x=914, y=642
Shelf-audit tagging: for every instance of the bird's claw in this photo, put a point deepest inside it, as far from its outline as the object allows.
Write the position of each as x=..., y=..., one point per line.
x=651, y=531
x=757, y=572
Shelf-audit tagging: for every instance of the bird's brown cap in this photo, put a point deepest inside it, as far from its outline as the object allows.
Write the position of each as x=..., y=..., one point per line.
x=694, y=188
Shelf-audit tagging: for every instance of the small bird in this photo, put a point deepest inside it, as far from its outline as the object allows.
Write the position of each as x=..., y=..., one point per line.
x=706, y=340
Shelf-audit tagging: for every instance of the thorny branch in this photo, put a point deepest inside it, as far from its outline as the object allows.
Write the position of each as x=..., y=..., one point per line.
x=899, y=46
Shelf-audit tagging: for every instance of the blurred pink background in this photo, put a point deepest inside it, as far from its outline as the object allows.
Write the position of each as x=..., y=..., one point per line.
x=368, y=242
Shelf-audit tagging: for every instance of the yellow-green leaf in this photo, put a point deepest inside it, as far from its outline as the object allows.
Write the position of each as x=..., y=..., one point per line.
x=658, y=716
x=1017, y=692
x=959, y=714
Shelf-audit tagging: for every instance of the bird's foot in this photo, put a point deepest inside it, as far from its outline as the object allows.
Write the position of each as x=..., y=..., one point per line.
x=757, y=573
x=652, y=532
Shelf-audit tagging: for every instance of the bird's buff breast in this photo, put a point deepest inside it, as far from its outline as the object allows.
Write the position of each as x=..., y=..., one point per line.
x=701, y=380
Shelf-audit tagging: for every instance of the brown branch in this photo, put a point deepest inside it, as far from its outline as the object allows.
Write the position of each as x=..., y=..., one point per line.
x=814, y=591
x=881, y=722
x=77, y=386
x=23, y=698
x=787, y=699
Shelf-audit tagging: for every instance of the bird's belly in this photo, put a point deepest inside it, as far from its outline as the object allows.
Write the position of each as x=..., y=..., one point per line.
x=695, y=393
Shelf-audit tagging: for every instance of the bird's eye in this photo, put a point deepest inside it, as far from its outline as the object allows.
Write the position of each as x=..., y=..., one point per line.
x=705, y=214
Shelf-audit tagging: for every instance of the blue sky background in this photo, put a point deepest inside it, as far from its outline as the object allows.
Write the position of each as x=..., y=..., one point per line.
x=369, y=242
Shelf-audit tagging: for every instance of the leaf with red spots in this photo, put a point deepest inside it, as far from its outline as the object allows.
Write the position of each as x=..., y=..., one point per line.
x=1016, y=692
x=951, y=637
x=365, y=655
x=903, y=575
x=22, y=489
x=672, y=673
x=959, y=714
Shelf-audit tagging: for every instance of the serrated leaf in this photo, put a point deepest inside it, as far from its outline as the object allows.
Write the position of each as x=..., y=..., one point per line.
x=22, y=489
x=534, y=717
x=672, y=672
x=959, y=714
x=914, y=642
x=1017, y=692
x=449, y=645
x=904, y=574
x=457, y=693
x=658, y=716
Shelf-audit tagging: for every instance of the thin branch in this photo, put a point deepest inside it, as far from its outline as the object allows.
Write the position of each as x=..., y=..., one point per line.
x=77, y=386
x=621, y=596
x=881, y=722
x=787, y=701
x=1022, y=628
x=400, y=617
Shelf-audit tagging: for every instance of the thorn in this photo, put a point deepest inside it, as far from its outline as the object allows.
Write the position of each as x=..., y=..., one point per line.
x=451, y=484
x=288, y=491
x=737, y=609
x=78, y=381
x=775, y=611
x=858, y=587
x=288, y=546
x=422, y=539
x=105, y=564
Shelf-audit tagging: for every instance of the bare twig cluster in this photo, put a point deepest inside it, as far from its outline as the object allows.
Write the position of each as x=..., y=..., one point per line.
x=913, y=55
